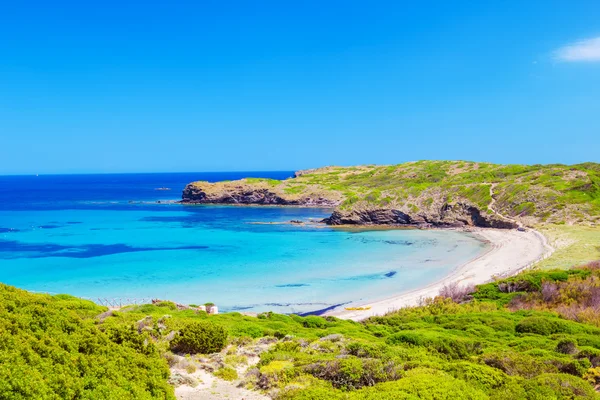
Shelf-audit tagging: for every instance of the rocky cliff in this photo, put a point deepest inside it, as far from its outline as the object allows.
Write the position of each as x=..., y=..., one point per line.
x=254, y=191
x=457, y=215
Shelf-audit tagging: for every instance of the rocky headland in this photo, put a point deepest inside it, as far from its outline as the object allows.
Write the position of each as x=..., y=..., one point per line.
x=255, y=191
x=425, y=193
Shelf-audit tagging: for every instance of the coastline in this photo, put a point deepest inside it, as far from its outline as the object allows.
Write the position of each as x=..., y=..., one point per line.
x=509, y=252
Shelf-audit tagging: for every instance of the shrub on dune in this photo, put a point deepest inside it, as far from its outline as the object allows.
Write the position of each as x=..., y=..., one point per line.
x=199, y=337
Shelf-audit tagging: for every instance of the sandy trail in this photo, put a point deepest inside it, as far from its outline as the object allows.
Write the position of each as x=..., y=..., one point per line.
x=510, y=251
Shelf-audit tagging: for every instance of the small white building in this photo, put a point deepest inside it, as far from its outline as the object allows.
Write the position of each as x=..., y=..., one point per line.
x=213, y=310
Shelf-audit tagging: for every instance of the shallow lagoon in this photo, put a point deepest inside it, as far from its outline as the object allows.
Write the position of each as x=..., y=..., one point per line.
x=228, y=255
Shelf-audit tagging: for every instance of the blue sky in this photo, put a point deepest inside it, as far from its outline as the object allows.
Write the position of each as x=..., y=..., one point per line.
x=276, y=85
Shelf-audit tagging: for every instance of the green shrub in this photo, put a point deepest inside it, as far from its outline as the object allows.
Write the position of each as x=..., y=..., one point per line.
x=542, y=326
x=559, y=386
x=480, y=376
x=353, y=373
x=167, y=304
x=49, y=351
x=226, y=373
x=235, y=360
x=422, y=383
x=314, y=322
x=456, y=348
x=275, y=373
x=528, y=366
x=199, y=337
x=248, y=330
x=566, y=346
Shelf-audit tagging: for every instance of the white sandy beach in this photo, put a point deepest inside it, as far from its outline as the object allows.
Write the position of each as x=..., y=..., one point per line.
x=510, y=251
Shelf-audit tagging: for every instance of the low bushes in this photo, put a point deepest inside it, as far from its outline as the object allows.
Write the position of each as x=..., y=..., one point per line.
x=226, y=373
x=275, y=373
x=560, y=386
x=455, y=348
x=542, y=326
x=51, y=349
x=199, y=337
x=354, y=373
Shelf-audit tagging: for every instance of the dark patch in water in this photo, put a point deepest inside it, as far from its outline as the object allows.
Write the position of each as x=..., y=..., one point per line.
x=322, y=310
x=74, y=222
x=11, y=249
x=292, y=285
x=293, y=304
x=394, y=242
x=241, y=308
x=370, y=277
x=6, y=230
x=400, y=242
x=49, y=226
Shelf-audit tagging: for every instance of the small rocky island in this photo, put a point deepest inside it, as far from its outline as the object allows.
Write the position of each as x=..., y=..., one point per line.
x=423, y=193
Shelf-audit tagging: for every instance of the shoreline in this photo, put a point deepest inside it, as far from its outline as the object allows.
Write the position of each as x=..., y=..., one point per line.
x=509, y=252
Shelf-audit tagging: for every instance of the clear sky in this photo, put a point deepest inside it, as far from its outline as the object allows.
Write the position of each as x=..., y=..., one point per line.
x=126, y=86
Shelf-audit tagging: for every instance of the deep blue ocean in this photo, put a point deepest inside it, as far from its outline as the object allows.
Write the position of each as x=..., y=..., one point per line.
x=106, y=237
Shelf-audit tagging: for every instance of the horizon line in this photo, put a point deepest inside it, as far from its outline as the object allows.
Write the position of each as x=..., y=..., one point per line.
x=281, y=170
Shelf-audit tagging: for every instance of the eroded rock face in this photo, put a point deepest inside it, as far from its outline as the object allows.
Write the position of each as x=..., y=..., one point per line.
x=469, y=215
x=247, y=194
x=369, y=217
x=457, y=215
x=194, y=194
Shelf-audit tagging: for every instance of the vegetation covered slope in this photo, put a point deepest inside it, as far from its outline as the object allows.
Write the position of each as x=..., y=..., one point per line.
x=425, y=189
x=52, y=348
x=574, y=244
x=533, y=336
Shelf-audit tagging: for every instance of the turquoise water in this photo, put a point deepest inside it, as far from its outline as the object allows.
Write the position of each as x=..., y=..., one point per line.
x=223, y=254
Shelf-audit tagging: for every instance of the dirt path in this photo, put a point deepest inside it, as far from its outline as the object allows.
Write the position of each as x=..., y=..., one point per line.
x=496, y=212
x=549, y=249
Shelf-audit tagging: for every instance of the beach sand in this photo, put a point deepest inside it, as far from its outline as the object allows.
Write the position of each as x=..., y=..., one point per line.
x=509, y=252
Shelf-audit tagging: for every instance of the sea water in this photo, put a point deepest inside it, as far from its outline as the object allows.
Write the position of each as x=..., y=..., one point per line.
x=105, y=237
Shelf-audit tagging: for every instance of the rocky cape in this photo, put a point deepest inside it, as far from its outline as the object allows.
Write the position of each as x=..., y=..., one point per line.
x=254, y=191
x=266, y=192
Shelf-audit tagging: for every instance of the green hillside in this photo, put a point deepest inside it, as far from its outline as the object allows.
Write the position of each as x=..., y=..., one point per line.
x=541, y=193
x=426, y=190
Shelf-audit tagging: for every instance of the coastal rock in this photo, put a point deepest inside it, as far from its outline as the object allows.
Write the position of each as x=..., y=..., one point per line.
x=259, y=192
x=469, y=215
x=369, y=217
x=243, y=195
x=449, y=215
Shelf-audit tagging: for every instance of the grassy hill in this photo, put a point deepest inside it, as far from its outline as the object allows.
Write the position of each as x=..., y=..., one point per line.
x=532, y=194
x=550, y=193
x=533, y=336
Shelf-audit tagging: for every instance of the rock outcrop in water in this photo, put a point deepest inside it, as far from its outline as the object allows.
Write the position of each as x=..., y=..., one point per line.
x=254, y=191
x=456, y=215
